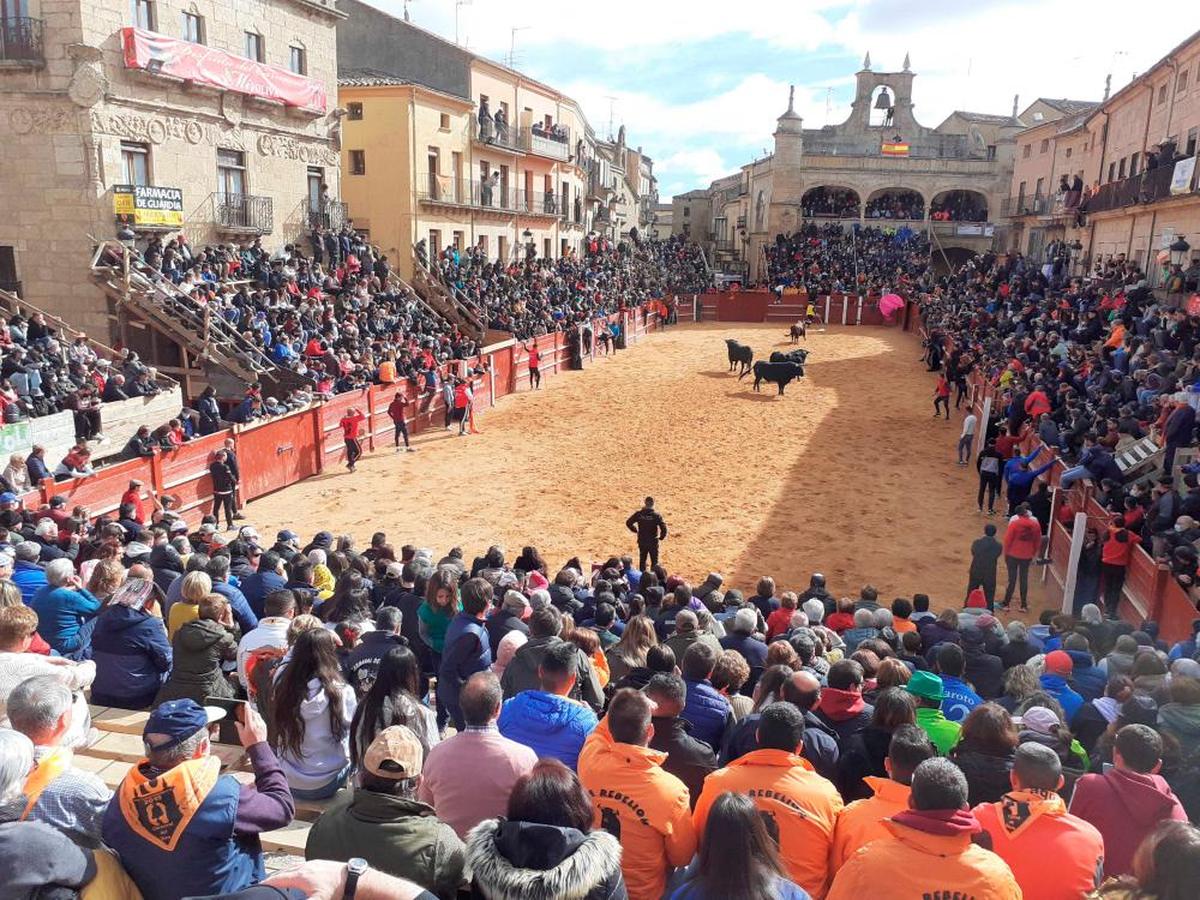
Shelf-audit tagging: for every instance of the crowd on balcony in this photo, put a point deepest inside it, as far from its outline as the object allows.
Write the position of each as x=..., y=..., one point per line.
x=551, y=132
x=595, y=731
x=825, y=259
x=837, y=203
x=532, y=295
x=959, y=206
x=903, y=205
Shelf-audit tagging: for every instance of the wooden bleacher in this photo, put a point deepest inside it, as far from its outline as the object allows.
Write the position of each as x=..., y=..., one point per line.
x=120, y=747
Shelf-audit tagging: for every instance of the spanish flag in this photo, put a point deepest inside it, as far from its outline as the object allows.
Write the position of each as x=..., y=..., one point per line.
x=894, y=148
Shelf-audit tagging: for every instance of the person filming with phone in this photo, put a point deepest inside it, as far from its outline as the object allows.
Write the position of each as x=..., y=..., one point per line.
x=183, y=829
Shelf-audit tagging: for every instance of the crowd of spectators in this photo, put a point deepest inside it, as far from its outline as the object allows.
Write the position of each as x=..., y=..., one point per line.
x=501, y=727
x=533, y=296
x=838, y=203
x=1089, y=366
x=959, y=206
x=825, y=258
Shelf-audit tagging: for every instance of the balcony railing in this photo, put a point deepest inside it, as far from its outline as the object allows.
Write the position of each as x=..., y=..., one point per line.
x=243, y=213
x=327, y=214
x=21, y=41
x=1025, y=205
x=1145, y=187
x=486, y=132
x=542, y=203
x=545, y=145
x=13, y=287
x=444, y=189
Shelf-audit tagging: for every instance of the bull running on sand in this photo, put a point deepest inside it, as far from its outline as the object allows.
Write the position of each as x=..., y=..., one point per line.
x=797, y=332
x=739, y=355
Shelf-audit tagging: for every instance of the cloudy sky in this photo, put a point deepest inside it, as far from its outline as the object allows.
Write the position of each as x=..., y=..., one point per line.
x=699, y=83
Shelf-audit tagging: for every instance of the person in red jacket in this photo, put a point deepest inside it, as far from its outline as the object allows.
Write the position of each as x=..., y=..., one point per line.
x=1114, y=560
x=535, y=364
x=1037, y=403
x=396, y=411
x=351, y=423
x=941, y=396
x=1130, y=800
x=1022, y=541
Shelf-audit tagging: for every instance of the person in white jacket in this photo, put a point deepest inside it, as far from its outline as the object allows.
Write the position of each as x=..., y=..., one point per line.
x=312, y=710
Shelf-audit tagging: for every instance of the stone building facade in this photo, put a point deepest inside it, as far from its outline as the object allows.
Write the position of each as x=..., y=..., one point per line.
x=1136, y=154
x=230, y=104
x=880, y=166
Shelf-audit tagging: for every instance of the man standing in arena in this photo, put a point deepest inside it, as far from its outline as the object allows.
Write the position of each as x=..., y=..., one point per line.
x=535, y=364
x=396, y=411
x=650, y=528
x=351, y=423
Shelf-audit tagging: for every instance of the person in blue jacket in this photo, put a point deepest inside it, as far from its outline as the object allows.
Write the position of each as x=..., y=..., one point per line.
x=466, y=648
x=548, y=721
x=269, y=577
x=28, y=574
x=1019, y=478
x=1058, y=668
x=1089, y=678
x=218, y=570
x=66, y=611
x=706, y=709
x=130, y=648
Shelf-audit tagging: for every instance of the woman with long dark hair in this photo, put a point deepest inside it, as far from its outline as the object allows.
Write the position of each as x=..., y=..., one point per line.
x=351, y=600
x=313, y=707
x=545, y=847
x=985, y=752
x=738, y=857
x=1165, y=867
x=393, y=699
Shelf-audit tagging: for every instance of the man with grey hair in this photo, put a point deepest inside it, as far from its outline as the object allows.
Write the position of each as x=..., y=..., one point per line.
x=66, y=611
x=864, y=629
x=814, y=609
x=182, y=828
x=1030, y=824
x=28, y=573
x=57, y=793
x=495, y=762
x=742, y=638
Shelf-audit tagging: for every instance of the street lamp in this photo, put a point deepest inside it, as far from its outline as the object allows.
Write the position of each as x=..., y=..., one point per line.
x=1179, y=248
x=1076, y=248
x=528, y=235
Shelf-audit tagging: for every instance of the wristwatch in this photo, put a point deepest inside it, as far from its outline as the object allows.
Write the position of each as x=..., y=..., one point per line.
x=355, y=869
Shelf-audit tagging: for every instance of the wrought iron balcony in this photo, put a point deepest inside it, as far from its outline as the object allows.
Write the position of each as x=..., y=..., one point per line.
x=443, y=189
x=1145, y=187
x=242, y=213
x=486, y=132
x=545, y=145
x=326, y=213
x=21, y=41
x=538, y=203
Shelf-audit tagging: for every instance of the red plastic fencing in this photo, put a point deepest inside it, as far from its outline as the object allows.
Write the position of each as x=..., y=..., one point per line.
x=283, y=451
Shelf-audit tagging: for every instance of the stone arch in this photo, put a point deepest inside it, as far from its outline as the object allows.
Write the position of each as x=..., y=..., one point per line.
x=831, y=201
x=895, y=203
x=959, y=205
x=880, y=118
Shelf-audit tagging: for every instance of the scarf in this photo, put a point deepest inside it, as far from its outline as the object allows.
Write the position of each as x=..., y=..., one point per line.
x=1019, y=809
x=159, y=809
x=942, y=822
x=1107, y=707
x=841, y=705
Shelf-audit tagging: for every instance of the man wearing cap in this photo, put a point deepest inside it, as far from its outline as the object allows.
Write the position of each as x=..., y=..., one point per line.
x=383, y=822
x=181, y=827
x=1030, y=825
x=10, y=511
x=928, y=691
x=1056, y=671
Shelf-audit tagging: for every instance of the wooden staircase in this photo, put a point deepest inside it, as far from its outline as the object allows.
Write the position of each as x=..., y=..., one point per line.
x=227, y=360
x=445, y=301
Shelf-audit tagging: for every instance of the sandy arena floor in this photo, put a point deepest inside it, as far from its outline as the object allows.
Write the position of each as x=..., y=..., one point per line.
x=847, y=474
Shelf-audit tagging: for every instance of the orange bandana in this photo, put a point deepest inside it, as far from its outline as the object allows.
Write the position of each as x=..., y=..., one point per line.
x=159, y=809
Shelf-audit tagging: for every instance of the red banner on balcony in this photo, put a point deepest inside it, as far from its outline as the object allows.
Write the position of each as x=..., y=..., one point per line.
x=206, y=65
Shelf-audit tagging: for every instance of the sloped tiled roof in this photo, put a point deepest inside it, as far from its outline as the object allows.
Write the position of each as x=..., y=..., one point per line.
x=368, y=78
x=989, y=118
x=1069, y=107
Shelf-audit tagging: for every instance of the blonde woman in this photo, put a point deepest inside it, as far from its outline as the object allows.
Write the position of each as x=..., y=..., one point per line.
x=630, y=651
x=196, y=586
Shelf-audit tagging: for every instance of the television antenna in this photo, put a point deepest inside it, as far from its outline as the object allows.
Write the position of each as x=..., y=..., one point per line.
x=828, y=103
x=458, y=5
x=611, y=105
x=512, y=44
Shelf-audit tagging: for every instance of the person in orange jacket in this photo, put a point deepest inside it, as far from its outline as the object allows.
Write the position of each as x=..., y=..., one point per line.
x=1022, y=541
x=646, y=808
x=1030, y=825
x=862, y=821
x=928, y=851
x=801, y=806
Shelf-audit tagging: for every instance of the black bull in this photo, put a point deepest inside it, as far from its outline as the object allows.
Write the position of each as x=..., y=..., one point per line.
x=739, y=355
x=796, y=356
x=778, y=373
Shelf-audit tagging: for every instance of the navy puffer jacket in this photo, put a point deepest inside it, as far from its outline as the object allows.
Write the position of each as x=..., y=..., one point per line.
x=707, y=711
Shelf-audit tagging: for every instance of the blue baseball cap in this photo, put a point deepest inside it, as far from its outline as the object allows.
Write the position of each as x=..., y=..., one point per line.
x=8, y=497
x=178, y=720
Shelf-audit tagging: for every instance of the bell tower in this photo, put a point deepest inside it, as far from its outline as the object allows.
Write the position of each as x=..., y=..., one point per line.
x=899, y=93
